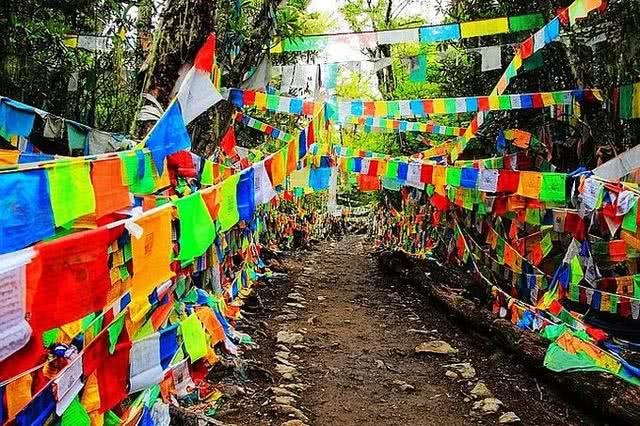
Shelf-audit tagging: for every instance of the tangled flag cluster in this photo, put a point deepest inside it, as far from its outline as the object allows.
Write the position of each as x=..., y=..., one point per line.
x=123, y=273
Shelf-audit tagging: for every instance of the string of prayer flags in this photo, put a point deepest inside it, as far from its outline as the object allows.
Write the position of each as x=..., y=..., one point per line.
x=543, y=37
x=339, y=110
x=425, y=34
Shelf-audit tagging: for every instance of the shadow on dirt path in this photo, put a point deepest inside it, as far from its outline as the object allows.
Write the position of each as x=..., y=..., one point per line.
x=347, y=356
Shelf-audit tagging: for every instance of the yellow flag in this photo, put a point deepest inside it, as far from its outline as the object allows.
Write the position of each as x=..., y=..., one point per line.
x=484, y=27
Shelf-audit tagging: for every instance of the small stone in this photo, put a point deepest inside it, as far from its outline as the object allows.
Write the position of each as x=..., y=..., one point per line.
x=379, y=363
x=283, y=348
x=436, y=347
x=509, y=417
x=288, y=409
x=281, y=391
x=467, y=399
x=233, y=390
x=289, y=338
x=480, y=390
x=465, y=369
x=284, y=400
x=488, y=405
x=312, y=320
x=321, y=298
x=285, y=362
x=404, y=386
x=285, y=369
x=451, y=374
x=283, y=354
x=296, y=297
x=295, y=305
x=286, y=317
x=299, y=387
x=294, y=423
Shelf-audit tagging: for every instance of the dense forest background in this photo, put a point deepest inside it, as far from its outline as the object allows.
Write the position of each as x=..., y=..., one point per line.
x=143, y=45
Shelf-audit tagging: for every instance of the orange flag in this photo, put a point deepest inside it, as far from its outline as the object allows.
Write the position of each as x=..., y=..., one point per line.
x=110, y=191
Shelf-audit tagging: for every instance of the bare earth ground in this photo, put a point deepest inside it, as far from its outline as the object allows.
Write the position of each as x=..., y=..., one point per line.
x=357, y=365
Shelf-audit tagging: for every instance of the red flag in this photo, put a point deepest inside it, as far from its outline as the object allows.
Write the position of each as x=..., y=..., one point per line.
x=204, y=58
x=228, y=142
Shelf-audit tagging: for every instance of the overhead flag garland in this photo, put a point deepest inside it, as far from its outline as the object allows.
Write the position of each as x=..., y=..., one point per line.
x=424, y=34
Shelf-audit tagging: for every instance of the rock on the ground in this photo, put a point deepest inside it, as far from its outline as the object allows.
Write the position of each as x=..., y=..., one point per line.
x=488, y=405
x=288, y=409
x=480, y=390
x=281, y=391
x=285, y=369
x=451, y=374
x=436, y=347
x=283, y=354
x=509, y=417
x=465, y=369
x=284, y=400
x=289, y=338
x=286, y=317
x=294, y=423
x=404, y=386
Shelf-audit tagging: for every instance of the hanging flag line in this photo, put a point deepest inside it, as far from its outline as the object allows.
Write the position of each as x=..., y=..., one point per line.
x=337, y=110
x=579, y=9
x=422, y=34
x=17, y=121
x=403, y=126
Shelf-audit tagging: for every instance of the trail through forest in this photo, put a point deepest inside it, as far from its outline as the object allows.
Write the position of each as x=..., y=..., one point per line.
x=337, y=346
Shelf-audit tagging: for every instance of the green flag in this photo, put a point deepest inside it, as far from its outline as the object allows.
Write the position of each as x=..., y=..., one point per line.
x=196, y=226
x=229, y=215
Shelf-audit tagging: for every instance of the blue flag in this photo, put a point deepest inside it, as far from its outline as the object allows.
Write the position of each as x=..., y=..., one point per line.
x=26, y=216
x=168, y=136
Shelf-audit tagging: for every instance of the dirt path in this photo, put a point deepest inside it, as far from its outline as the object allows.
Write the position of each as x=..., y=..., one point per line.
x=355, y=362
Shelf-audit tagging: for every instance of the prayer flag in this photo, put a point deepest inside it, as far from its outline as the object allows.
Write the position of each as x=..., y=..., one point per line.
x=195, y=339
x=14, y=328
x=263, y=189
x=229, y=214
x=69, y=278
x=151, y=258
x=111, y=194
x=246, y=195
x=72, y=194
x=26, y=216
x=196, y=226
x=228, y=142
x=145, y=369
x=169, y=135
x=553, y=187
x=138, y=171
x=113, y=375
